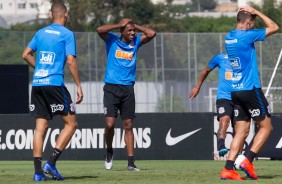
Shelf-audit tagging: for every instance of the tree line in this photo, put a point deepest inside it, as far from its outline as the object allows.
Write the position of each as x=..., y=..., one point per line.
x=86, y=15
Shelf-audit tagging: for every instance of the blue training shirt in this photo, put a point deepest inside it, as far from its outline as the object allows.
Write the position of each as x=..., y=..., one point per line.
x=121, y=60
x=224, y=75
x=242, y=55
x=52, y=43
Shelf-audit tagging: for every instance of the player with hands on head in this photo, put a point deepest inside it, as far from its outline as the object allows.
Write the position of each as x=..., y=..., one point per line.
x=247, y=95
x=55, y=46
x=119, y=81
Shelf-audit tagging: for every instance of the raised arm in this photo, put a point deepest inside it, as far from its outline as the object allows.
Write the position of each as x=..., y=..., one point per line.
x=148, y=35
x=194, y=92
x=104, y=29
x=71, y=61
x=27, y=55
x=270, y=26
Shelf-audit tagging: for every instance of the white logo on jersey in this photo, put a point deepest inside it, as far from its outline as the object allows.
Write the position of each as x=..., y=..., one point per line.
x=105, y=110
x=52, y=32
x=47, y=57
x=254, y=112
x=57, y=107
x=41, y=73
x=237, y=76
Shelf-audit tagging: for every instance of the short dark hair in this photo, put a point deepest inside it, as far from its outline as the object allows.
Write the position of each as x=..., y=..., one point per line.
x=58, y=9
x=122, y=28
x=242, y=16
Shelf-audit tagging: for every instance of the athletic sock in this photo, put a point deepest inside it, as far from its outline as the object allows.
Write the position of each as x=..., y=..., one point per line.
x=37, y=165
x=110, y=150
x=229, y=165
x=130, y=160
x=221, y=144
x=251, y=155
x=54, y=157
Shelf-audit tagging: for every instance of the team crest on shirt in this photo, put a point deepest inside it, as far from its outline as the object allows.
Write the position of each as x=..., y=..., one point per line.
x=221, y=110
x=131, y=45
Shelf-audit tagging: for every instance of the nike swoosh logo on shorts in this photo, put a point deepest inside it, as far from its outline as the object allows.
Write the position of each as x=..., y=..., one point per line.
x=174, y=140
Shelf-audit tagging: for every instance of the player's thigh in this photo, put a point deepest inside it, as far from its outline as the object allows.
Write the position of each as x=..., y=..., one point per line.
x=111, y=101
x=127, y=108
x=225, y=109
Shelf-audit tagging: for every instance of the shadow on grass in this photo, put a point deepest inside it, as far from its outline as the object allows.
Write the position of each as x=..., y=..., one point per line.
x=80, y=177
x=268, y=177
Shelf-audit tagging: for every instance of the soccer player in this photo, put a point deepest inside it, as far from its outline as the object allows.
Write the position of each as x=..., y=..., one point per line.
x=55, y=45
x=247, y=96
x=119, y=81
x=224, y=103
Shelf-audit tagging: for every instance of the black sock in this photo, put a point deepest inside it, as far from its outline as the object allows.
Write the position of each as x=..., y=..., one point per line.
x=130, y=160
x=37, y=165
x=220, y=144
x=229, y=165
x=251, y=155
x=110, y=150
x=54, y=157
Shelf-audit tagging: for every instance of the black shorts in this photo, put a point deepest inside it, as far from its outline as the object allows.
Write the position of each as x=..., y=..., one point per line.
x=224, y=107
x=48, y=101
x=119, y=98
x=250, y=104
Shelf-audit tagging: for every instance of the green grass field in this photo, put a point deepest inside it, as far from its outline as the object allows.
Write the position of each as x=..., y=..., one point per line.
x=153, y=172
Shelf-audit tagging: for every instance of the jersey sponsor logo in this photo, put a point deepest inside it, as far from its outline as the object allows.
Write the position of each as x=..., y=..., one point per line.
x=221, y=110
x=228, y=75
x=52, y=32
x=41, y=81
x=237, y=76
x=47, y=57
x=124, y=55
x=41, y=73
x=235, y=63
x=238, y=86
x=57, y=107
x=254, y=112
x=231, y=41
x=31, y=107
x=170, y=141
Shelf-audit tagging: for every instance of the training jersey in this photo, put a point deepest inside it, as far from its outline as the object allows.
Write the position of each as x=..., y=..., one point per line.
x=242, y=56
x=121, y=60
x=224, y=75
x=52, y=44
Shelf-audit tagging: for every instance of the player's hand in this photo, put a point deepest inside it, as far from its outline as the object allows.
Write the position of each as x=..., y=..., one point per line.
x=194, y=92
x=249, y=9
x=79, y=97
x=124, y=21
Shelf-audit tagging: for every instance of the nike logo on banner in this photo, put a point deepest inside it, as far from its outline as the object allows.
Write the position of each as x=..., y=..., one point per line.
x=174, y=140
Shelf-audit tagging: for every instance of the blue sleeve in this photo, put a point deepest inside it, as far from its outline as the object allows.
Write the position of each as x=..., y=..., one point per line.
x=255, y=35
x=213, y=62
x=138, y=41
x=111, y=38
x=32, y=44
x=70, y=45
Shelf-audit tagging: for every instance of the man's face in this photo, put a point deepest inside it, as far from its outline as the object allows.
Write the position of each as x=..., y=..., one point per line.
x=128, y=33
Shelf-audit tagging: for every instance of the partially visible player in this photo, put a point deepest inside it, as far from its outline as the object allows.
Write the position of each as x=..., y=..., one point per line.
x=55, y=45
x=119, y=81
x=224, y=105
x=247, y=96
